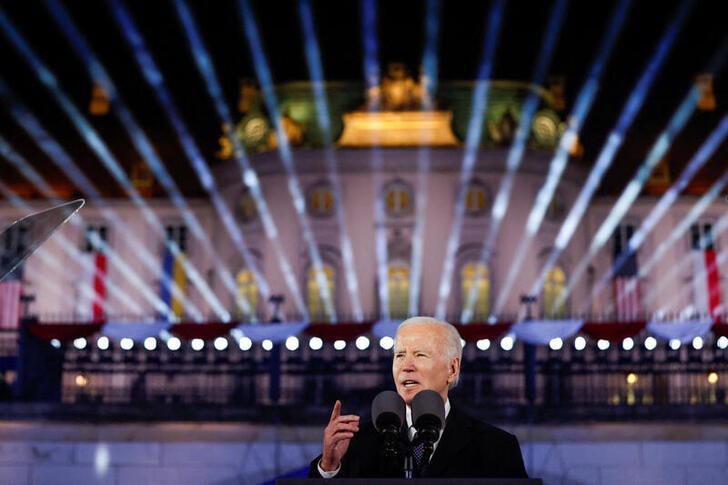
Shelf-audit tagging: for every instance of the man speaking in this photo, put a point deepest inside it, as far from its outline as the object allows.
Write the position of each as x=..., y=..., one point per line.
x=427, y=356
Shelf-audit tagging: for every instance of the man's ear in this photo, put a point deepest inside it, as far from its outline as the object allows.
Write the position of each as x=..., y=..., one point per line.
x=454, y=367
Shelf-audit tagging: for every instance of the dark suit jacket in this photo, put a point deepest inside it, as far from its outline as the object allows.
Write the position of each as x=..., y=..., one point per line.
x=468, y=448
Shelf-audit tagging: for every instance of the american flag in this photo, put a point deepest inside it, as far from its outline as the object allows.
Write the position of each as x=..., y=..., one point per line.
x=625, y=280
x=706, y=280
x=10, y=290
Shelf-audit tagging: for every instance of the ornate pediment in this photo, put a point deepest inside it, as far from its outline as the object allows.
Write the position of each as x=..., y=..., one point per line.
x=398, y=112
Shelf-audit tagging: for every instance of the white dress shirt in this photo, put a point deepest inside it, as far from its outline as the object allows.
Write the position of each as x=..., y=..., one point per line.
x=411, y=431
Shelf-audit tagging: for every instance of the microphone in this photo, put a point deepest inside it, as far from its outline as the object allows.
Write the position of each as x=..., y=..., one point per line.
x=428, y=417
x=388, y=414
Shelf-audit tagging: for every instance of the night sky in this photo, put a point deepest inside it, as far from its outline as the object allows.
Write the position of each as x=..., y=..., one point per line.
x=338, y=26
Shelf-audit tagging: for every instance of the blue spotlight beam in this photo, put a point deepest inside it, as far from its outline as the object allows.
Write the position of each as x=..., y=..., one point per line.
x=97, y=145
x=429, y=85
x=249, y=175
x=515, y=154
x=472, y=141
x=141, y=142
x=577, y=117
x=676, y=270
x=313, y=61
x=690, y=218
x=262, y=70
x=613, y=143
x=700, y=158
x=372, y=75
x=59, y=156
x=657, y=152
x=155, y=78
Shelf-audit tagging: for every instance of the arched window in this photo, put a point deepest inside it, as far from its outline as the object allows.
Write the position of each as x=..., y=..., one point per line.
x=320, y=200
x=554, y=304
x=398, y=287
x=398, y=198
x=247, y=303
x=476, y=198
x=316, y=305
x=475, y=288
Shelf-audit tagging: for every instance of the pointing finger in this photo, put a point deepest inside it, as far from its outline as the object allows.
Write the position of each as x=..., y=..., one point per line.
x=337, y=410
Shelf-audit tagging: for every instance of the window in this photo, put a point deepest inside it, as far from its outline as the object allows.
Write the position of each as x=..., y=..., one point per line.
x=555, y=209
x=317, y=308
x=475, y=289
x=177, y=234
x=398, y=198
x=554, y=303
x=247, y=302
x=320, y=200
x=476, y=198
x=398, y=287
x=95, y=239
x=14, y=243
x=247, y=209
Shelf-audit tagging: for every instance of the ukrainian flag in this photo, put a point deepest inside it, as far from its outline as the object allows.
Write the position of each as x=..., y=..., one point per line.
x=173, y=274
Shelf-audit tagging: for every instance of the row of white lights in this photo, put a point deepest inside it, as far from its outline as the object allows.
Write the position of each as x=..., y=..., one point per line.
x=362, y=343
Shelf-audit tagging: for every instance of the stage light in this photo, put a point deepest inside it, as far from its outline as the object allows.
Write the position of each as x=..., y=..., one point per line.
x=556, y=343
x=267, y=345
x=462, y=343
x=506, y=343
x=579, y=343
x=315, y=343
x=628, y=343
x=483, y=344
x=632, y=378
x=713, y=378
x=81, y=380
x=173, y=343
x=126, y=343
x=103, y=342
x=313, y=60
x=197, y=344
x=386, y=342
x=602, y=344
x=79, y=343
x=650, y=343
x=674, y=344
x=270, y=99
x=55, y=343
x=722, y=343
x=340, y=345
x=220, y=343
x=150, y=343
x=362, y=343
x=478, y=105
x=245, y=344
x=698, y=343
x=292, y=343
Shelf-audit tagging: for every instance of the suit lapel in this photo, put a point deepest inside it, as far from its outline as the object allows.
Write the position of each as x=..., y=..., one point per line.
x=455, y=437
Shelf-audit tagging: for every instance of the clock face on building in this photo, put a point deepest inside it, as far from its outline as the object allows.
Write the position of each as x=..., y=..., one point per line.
x=544, y=129
x=252, y=130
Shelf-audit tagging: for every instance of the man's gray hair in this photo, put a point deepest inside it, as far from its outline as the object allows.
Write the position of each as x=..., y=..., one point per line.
x=453, y=341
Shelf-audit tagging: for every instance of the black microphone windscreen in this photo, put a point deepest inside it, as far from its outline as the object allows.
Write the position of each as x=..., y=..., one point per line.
x=429, y=405
x=388, y=409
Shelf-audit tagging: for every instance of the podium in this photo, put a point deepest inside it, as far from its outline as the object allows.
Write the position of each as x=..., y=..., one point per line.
x=402, y=481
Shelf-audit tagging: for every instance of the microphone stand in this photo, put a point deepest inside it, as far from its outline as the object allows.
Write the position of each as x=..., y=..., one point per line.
x=409, y=465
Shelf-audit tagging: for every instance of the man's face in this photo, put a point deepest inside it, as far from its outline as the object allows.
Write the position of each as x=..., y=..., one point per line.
x=420, y=362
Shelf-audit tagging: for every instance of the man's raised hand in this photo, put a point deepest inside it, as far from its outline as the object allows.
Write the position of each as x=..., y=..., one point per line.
x=337, y=436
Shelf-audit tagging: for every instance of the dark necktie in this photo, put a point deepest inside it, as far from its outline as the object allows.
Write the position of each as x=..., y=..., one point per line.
x=418, y=450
